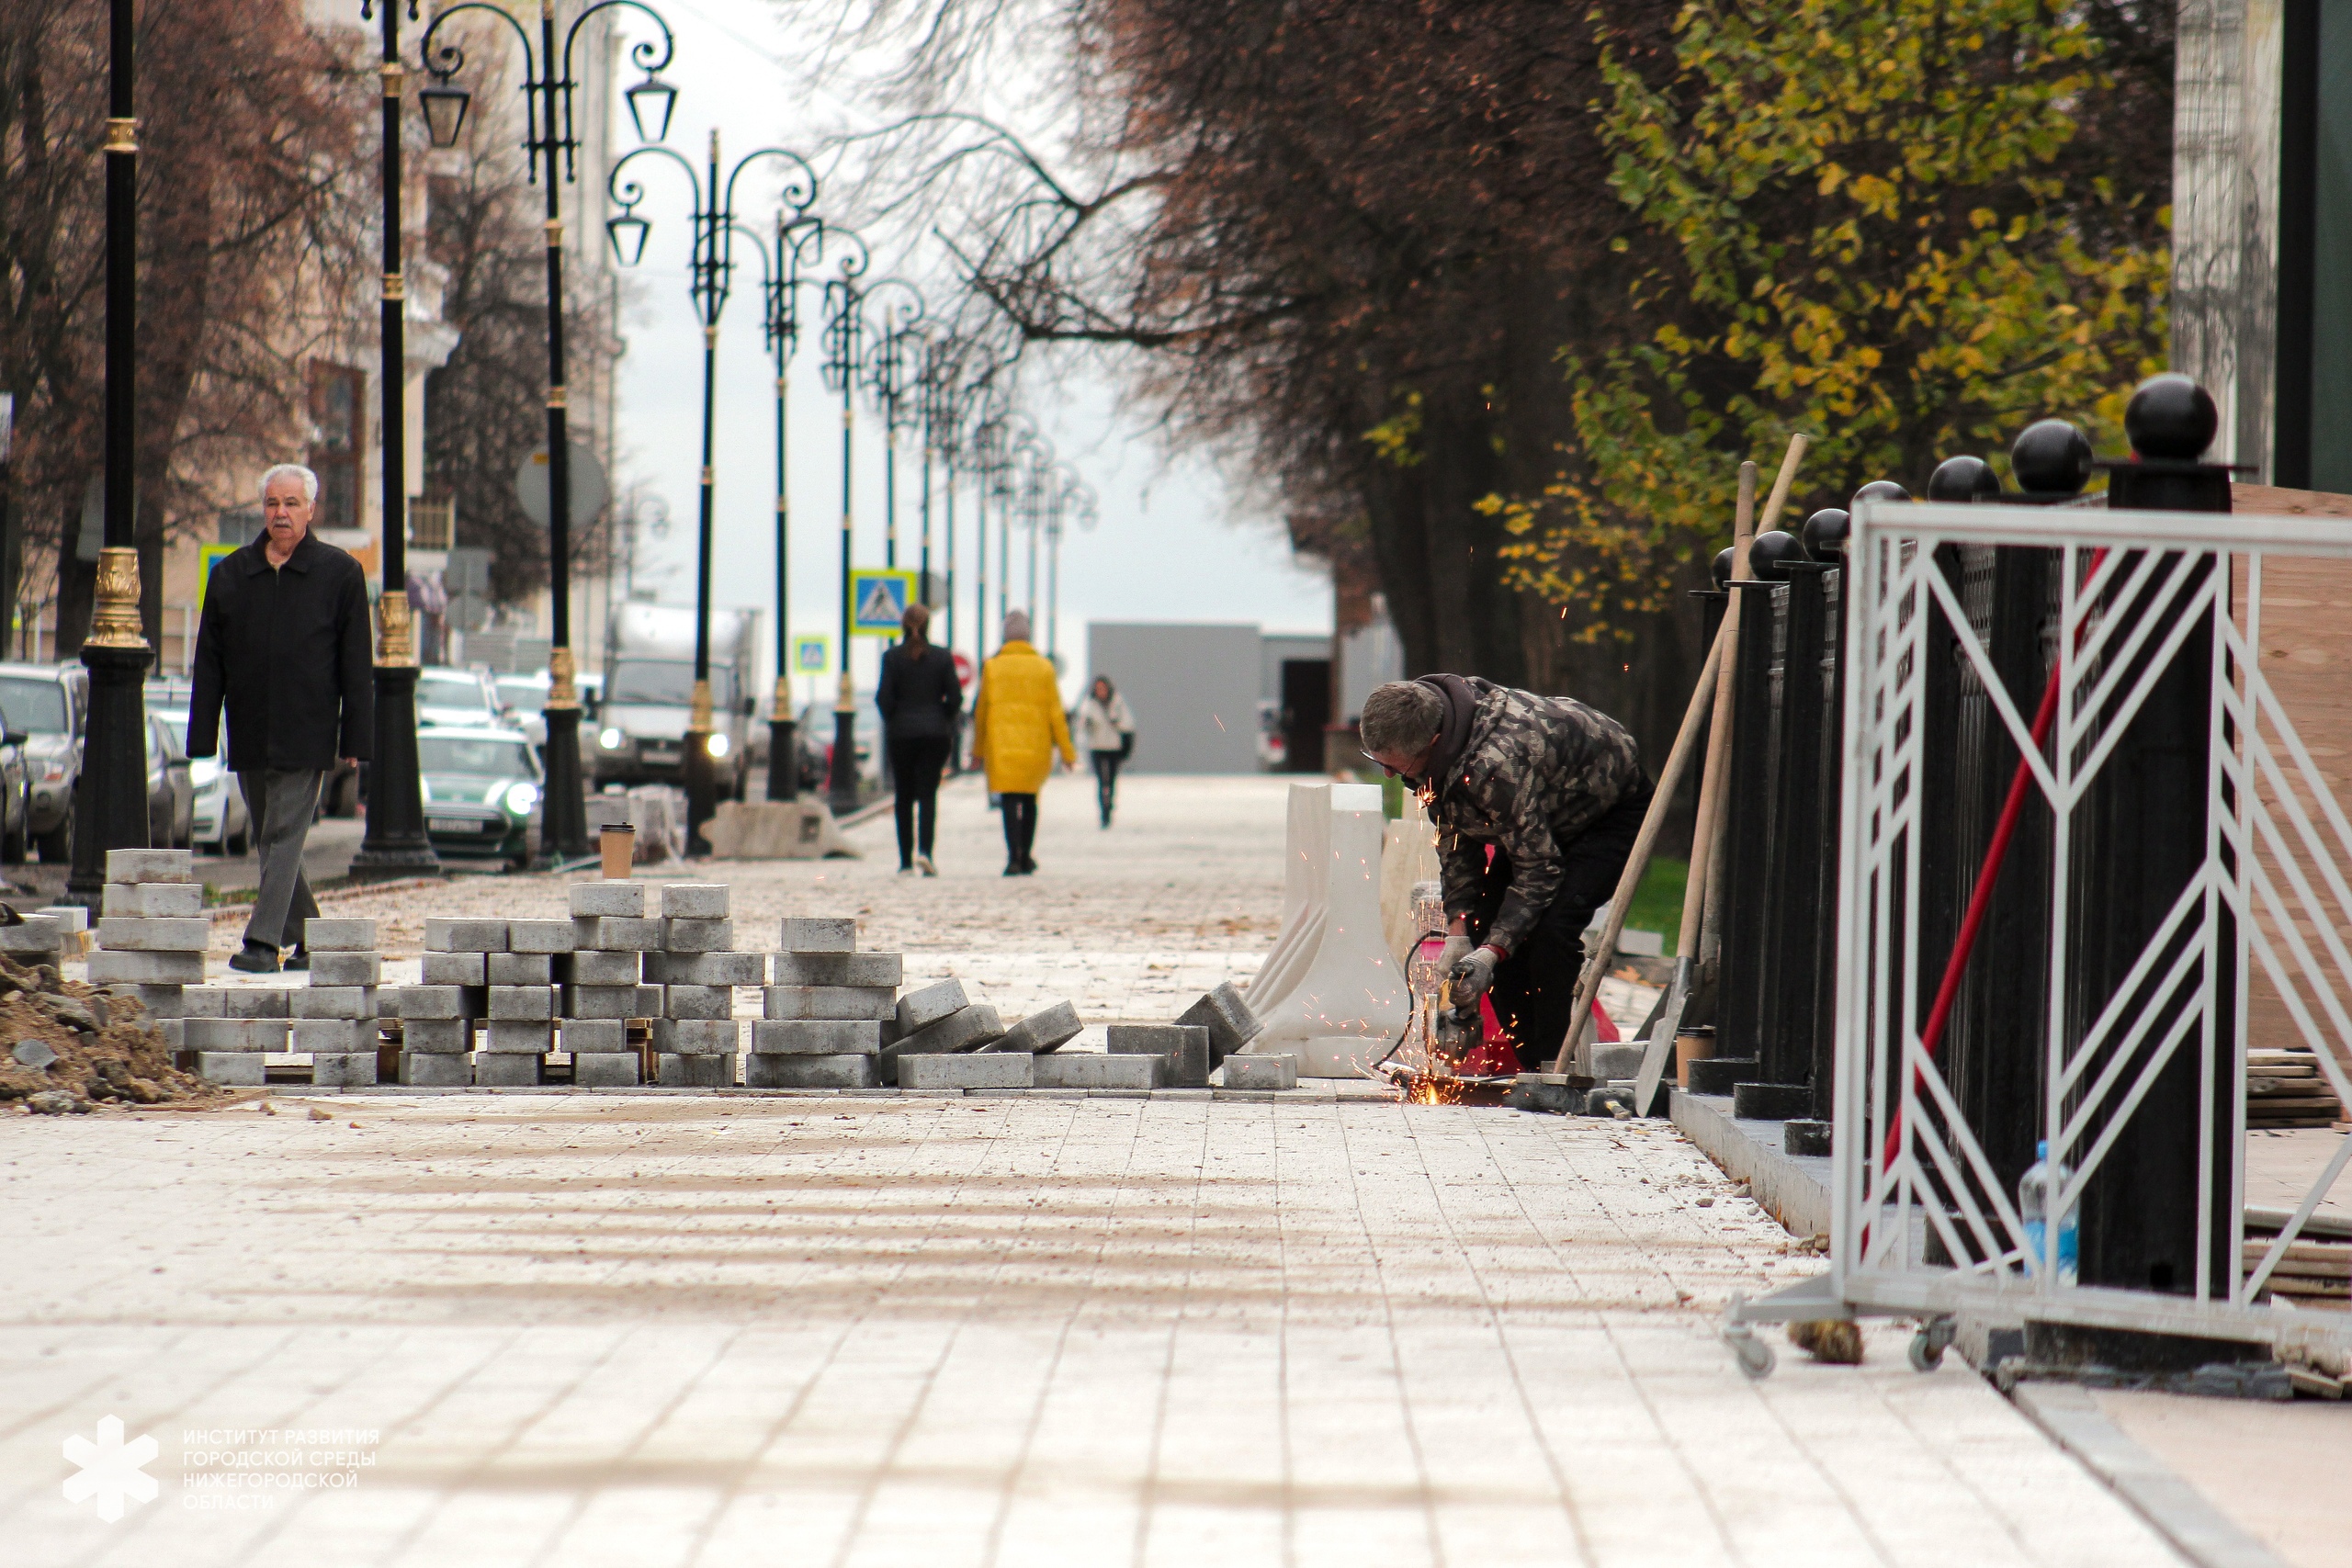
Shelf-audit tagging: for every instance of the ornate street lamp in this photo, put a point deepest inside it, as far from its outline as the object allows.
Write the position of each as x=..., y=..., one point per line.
x=548, y=87
x=715, y=230
x=110, y=797
x=890, y=374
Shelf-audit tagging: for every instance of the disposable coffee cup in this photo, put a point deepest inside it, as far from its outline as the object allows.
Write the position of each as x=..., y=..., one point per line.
x=1696, y=1043
x=619, y=847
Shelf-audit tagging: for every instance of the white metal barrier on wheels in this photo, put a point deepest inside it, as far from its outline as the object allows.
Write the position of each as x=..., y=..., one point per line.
x=1922, y=1228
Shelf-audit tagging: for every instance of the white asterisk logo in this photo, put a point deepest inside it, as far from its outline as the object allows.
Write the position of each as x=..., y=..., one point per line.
x=110, y=1468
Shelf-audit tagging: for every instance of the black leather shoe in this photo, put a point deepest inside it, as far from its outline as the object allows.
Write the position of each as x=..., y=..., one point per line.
x=299, y=959
x=254, y=959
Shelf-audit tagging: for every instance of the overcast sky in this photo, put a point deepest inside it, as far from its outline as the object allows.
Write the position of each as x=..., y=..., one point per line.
x=1172, y=543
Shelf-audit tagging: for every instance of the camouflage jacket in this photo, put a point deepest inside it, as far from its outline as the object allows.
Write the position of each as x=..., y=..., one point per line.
x=1532, y=773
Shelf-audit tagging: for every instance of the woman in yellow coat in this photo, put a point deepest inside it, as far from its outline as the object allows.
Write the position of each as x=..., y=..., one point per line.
x=1017, y=725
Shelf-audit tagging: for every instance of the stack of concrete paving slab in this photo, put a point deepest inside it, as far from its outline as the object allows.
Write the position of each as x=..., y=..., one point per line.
x=825, y=1014
x=439, y=1016
x=698, y=968
x=155, y=907
x=603, y=985
x=519, y=991
x=231, y=1028
x=1232, y=1026
x=334, y=1018
x=939, y=1038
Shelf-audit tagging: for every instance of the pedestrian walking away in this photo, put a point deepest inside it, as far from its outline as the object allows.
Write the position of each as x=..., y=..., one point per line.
x=1106, y=733
x=1017, y=725
x=1537, y=801
x=921, y=700
x=283, y=646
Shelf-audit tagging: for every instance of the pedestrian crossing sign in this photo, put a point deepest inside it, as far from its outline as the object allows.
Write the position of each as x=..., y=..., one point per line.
x=879, y=597
x=811, y=655
x=206, y=557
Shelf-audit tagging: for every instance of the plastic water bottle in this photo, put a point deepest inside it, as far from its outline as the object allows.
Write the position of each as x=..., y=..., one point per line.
x=2035, y=1189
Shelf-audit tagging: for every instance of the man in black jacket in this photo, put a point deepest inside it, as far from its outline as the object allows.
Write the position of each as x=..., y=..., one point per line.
x=284, y=642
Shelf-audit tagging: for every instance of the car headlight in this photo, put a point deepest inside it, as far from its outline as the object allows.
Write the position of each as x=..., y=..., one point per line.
x=716, y=745
x=610, y=739
x=521, y=798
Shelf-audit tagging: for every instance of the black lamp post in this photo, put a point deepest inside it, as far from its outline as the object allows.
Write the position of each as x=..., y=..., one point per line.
x=110, y=797
x=710, y=277
x=890, y=373
x=395, y=844
x=548, y=88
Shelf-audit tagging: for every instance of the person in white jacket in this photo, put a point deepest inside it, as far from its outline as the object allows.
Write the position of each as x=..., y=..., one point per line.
x=1106, y=732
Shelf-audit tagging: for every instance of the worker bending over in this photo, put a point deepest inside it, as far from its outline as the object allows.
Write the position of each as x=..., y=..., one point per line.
x=1536, y=801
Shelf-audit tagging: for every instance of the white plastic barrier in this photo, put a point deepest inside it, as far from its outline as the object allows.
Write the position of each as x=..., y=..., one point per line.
x=1330, y=993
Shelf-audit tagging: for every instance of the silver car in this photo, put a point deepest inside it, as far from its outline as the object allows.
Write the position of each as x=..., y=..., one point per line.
x=47, y=704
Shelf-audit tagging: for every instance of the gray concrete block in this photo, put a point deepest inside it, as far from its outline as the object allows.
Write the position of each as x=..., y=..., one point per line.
x=435, y=1071
x=966, y=1070
x=707, y=968
x=141, y=968
x=150, y=898
x=522, y=1004
x=698, y=1002
x=511, y=1069
x=1228, y=1018
x=678, y=1071
x=1186, y=1045
x=156, y=1001
x=203, y=1002
x=1087, y=1069
x=695, y=900
x=332, y=1037
x=1047, y=1029
x=255, y=1001
x=234, y=1033
x=456, y=968
x=697, y=1037
x=174, y=1032
x=355, y=1070
x=803, y=933
x=71, y=916
x=437, y=1036
x=332, y=1001
x=976, y=1026
x=508, y=1036
x=539, y=936
x=697, y=935
x=445, y=933
x=238, y=1069
x=615, y=933
x=601, y=968
x=779, y=1071
x=602, y=1001
x=1621, y=1060
x=838, y=969
x=875, y=1002
x=922, y=1008
x=815, y=1037
x=132, y=933
x=519, y=968
x=594, y=1035
x=350, y=968
x=604, y=1069
x=342, y=934
x=434, y=1001
x=150, y=866
x=39, y=938
x=1246, y=1071
x=623, y=898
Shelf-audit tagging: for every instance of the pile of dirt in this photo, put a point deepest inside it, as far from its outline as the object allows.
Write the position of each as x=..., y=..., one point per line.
x=65, y=1046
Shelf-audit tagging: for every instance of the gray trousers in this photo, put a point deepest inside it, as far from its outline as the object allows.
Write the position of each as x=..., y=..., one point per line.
x=281, y=801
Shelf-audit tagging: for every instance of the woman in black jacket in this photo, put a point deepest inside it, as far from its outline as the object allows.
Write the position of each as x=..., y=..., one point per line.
x=919, y=698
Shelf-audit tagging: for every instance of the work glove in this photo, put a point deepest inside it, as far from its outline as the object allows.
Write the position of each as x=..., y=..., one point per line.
x=1471, y=977
x=1456, y=949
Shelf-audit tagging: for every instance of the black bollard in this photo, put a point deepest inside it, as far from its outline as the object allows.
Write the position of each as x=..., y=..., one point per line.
x=1825, y=533
x=1747, y=807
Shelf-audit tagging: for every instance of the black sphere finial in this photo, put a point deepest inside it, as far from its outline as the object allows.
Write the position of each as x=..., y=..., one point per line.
x=1964, y=481
x=2050, y=456
x=1769, y=555
x=1724, y=560
x=1827, y=530
x=1877, y=490
x=2170, y=416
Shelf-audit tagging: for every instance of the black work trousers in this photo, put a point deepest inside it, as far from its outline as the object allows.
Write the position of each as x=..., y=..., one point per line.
x=1534, y=990
x=1019, y=828
x=1106, y=782
x=915, y=764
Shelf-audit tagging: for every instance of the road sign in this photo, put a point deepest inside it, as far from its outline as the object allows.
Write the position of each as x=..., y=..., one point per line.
x=206, y=557
x=811, y=655
x=587, y=487
x=879, y=597
x=965, y=673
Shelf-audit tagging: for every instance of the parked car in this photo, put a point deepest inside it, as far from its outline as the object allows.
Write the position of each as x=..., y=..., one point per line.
x=170, y=787
x=218, y=821
x=467, y=699
x=16, y=795
x=47, y=704
x=813, y=735
x=167, y=698
x=481, y=792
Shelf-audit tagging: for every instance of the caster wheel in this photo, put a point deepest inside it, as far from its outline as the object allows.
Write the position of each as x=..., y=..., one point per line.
x=1927, y=1346
x=1755, y=1356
